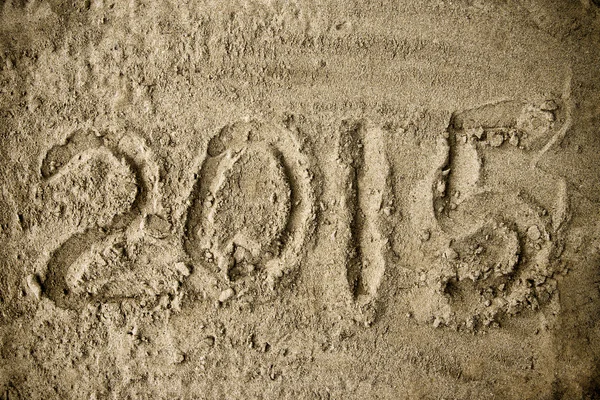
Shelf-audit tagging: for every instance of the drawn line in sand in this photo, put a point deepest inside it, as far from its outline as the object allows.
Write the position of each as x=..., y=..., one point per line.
x=560, y=135
x=364, y=188
x=498, y=245
x=60, y=284
x=253, y=204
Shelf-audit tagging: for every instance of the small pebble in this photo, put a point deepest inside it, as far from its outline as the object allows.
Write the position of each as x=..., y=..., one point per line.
x=226, y=263
x=549, y=116
x=208, y=341
x=496, y=139
x=450, y=254
x=178, y=357
x=182, y=268
x=226, y=295
x=240, y=254
x=441, y=187
x=533, y=232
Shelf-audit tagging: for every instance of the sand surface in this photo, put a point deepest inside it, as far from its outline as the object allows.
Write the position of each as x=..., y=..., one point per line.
x=300, y=200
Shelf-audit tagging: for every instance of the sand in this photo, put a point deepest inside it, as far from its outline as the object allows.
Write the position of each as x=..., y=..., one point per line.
x=300, y=200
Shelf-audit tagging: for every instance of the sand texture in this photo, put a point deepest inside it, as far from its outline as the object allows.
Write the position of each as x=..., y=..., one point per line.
x=297, y=199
